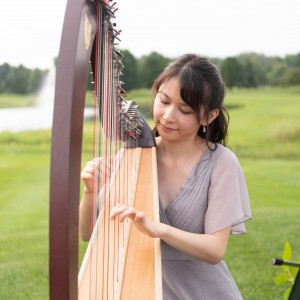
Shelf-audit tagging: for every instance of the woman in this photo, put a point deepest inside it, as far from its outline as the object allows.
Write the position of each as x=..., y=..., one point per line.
x=202, y=191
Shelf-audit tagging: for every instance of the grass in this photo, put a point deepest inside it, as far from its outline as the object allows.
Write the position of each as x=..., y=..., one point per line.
x=266, y=124
x=15, y=100
x=24, y=225
x=274, y=192
x=264, y=133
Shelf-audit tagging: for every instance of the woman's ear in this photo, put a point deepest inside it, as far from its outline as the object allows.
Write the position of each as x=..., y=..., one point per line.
x=212, y=115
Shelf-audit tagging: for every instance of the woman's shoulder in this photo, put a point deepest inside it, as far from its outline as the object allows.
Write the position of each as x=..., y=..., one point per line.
x=225, y=155
x=226, y=162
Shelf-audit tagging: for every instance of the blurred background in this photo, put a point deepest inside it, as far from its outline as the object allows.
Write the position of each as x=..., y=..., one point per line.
x=256, y=46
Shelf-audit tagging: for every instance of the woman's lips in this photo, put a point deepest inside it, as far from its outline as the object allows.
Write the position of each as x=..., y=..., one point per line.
x=166, y=128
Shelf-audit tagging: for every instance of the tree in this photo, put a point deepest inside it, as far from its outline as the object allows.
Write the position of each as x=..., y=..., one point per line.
x=5, y=78
x=130, y=71
x=293, y=60
x=20, y=81
x=276, y=73
x=255, y=67
x=291, y=77
x=232, y=72
x=36, y=78
x=150, y=67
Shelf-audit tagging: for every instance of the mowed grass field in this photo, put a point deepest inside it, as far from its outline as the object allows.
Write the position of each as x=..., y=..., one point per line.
x=264, y=132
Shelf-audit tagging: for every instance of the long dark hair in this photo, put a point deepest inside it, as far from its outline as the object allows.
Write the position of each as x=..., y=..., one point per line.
x=201, y=87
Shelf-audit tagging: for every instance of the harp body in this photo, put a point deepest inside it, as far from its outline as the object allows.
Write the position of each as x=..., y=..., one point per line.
x=120, y=262
x=125, y=262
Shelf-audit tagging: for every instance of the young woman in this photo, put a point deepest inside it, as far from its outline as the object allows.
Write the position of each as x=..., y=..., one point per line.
x=203, y=196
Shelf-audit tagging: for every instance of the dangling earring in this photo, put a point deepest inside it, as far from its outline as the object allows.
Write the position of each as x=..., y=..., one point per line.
x=203, y=129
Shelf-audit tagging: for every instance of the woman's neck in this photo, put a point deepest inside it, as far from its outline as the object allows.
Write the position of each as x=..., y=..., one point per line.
x=180, y=150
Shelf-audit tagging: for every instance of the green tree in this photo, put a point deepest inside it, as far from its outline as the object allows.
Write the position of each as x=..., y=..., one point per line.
x=20, y=82
x=130, y=72
x=276, y=73
x=150, y=67
x=36, y=78
x=232, y=72
x=5, y=78
x=291, y=77
x=255, y=68
x=293, y=60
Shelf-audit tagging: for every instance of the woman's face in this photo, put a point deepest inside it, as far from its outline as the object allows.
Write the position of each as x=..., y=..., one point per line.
x=174, y=119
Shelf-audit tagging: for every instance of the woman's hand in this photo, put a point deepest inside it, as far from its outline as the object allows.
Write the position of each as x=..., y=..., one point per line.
x=137, y=217
x=88, y=175
x=95, y=170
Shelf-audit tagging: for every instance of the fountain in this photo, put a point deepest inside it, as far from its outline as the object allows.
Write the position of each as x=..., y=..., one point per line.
x=31, y=118
x=34, y=118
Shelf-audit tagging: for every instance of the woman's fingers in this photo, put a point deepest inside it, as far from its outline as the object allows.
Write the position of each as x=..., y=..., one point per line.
x=116, y=211
x=97, y=172
x=138, y=218
x=123, y=211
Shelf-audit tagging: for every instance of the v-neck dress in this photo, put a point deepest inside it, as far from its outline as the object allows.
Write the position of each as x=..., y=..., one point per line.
x=213, y=197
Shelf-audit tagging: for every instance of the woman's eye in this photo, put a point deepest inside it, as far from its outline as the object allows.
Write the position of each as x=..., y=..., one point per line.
x=187, y=112
x=163, y=101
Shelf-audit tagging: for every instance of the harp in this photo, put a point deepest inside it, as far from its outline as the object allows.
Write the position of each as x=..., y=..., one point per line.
x=120, y=262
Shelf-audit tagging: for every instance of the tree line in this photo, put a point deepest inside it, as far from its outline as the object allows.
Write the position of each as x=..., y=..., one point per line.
x=20, y=80
x=244, y=70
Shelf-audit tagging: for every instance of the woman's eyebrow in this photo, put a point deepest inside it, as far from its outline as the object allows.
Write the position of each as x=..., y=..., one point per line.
x=182, y=103
x=165, y=94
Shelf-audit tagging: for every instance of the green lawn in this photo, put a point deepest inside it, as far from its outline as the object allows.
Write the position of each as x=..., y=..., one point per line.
x=14, y=100
x=265, y=135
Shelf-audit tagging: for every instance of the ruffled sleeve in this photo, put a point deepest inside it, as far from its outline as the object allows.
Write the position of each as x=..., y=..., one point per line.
x=228, y=200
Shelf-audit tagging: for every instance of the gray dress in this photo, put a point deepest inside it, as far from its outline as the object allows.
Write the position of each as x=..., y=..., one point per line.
x=213, y=197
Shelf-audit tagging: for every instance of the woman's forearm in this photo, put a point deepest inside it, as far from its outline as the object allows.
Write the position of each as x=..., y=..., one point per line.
x=210, y=248
x=85, y=215
x=207, y=247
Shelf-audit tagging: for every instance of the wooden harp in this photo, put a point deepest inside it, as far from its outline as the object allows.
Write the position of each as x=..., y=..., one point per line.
x=135, y=268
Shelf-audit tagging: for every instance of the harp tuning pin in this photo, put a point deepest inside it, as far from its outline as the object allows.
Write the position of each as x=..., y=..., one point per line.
x=117, y=38
x=117, y=32
x=123, y=91
x=113, y=4
x=118, y=54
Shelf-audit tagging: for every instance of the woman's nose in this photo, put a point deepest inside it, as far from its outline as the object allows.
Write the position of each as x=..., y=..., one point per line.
x=169, y=114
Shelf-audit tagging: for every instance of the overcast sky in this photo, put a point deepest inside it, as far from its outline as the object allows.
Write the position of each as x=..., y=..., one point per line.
x=30, y=30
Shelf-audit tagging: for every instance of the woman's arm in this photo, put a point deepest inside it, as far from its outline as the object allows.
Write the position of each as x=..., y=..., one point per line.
x=94, y=170
x=85, y=215
x=210, y=248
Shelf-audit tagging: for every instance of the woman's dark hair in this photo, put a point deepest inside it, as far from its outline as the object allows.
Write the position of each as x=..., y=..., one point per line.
x=201, y=87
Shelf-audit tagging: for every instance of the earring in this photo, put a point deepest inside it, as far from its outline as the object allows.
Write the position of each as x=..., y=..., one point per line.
x=203, y=128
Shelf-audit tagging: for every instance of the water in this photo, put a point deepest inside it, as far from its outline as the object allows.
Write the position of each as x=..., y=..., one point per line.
x=33, y=118
x=20, y=119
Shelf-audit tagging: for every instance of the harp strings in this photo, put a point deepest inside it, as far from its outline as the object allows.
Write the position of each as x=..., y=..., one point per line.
x=109, y=240
x=108, y=142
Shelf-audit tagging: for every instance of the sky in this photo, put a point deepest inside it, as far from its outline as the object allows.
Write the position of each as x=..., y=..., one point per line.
x=30, y=30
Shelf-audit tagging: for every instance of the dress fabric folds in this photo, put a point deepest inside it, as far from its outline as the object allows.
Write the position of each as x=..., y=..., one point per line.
x=213, y=197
